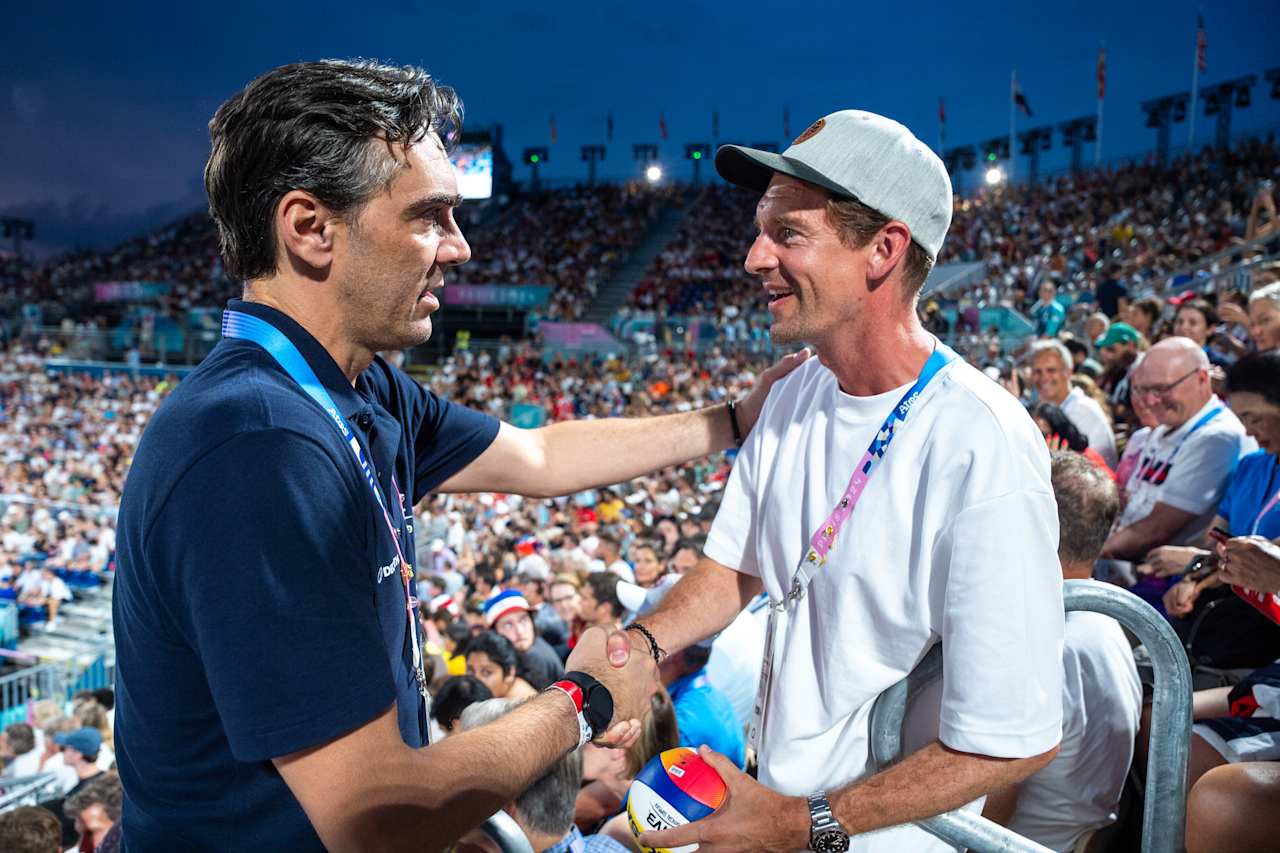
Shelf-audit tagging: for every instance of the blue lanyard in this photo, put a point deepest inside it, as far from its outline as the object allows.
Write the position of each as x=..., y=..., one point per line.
x=237, y=324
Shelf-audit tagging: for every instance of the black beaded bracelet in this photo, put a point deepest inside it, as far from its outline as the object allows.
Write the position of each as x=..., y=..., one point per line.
x=733, y=420
x=654, y=649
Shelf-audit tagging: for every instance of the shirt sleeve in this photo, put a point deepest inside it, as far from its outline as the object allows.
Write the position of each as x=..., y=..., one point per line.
x=1200, y=472
x=450, y=437
x=1002, y=630
x=732, y=539
x=271, y=584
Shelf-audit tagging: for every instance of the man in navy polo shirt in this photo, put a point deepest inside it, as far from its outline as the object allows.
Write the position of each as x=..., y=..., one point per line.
x=268, y=673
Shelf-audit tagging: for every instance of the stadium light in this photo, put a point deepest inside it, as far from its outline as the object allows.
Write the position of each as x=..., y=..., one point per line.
x=534, y=157
x=697, y=152
x=653, y=174
x=592, y=154
x=994, y=176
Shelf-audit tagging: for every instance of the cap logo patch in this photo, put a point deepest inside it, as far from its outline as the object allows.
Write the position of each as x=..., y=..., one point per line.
x=811, y=132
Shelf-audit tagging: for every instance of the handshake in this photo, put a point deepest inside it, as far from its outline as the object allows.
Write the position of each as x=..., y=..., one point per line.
x=623, y=663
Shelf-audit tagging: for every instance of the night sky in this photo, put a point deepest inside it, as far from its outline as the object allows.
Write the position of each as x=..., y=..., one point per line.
x=104, y=106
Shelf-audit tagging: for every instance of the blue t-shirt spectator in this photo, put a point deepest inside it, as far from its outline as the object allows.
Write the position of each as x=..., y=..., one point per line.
x=258, y=607
x=1255, y=481
x=704, y=715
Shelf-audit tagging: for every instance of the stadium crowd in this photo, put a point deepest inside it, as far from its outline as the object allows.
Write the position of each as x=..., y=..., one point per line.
x=1160, y=403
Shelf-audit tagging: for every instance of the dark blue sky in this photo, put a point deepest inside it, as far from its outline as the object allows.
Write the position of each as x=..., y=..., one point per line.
x=103, y=106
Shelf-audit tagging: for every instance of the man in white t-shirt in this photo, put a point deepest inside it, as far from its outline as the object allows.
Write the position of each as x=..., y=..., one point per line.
x=953, y=539
x=1080, y=789
x=1186, y=461
x=1051, y=372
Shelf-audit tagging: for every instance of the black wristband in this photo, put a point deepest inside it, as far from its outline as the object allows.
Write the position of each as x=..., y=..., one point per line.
x=597, y=701
x=737, y=430
x=654, y=649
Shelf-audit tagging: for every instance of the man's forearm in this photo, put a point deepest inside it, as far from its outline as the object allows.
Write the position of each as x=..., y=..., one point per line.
x=379, y=794
x=584, y=454
x=703, y=603
x=928, y=782
x=1133, y=542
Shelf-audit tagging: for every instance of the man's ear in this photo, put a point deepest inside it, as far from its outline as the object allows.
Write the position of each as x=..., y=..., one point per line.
x=306, y=229
x=888, y=248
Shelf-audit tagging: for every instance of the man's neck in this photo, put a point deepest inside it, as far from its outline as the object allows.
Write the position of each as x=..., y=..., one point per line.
x=541, y=841
x=1077, y=571
x=322, y=323
x=87, y=771
x=879, y=357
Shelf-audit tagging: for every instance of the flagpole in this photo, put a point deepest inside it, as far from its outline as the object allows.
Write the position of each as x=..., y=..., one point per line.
x=1102, y=77
x=1013, y=119
x=1195, y=94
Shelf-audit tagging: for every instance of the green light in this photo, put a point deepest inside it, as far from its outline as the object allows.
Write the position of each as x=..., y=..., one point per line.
x=697, y=155
x=534, y=158
x=991, y=157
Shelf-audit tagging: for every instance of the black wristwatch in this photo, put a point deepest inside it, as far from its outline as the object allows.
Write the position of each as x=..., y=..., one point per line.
x=825, y=833
x=597, y=701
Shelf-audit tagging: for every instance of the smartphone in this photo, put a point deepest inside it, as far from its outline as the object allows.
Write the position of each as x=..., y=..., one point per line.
x=1217, y=534
x=1201, y=567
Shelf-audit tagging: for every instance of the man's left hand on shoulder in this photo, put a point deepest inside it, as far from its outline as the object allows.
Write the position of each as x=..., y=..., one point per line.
x=750, y=408
x=752, y=817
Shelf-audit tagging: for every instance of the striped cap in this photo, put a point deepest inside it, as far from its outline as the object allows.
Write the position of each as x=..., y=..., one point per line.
x=501, y=603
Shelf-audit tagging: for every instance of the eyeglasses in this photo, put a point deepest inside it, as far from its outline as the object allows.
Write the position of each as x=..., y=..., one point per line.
x=1161, y=391
x=564, y=598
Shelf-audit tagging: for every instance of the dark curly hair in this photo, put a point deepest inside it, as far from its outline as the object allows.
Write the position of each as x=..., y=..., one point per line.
x=327, y=127
x=1062, y=425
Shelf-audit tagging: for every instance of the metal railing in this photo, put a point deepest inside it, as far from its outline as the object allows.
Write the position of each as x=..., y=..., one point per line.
x=1165, y=802
x=28, y=790
x=54, y=681
x=506, y=833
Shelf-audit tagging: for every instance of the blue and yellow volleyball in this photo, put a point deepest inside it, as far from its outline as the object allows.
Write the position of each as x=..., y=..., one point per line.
x=674, y=788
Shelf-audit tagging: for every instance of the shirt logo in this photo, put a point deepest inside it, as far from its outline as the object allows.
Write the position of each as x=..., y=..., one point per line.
x=389, y=569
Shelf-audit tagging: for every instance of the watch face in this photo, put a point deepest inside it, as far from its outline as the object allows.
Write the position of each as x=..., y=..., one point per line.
x=830, y=841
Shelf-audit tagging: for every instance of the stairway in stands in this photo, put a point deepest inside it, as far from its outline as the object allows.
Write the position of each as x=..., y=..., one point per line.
x=82, y=633
x=614, y=292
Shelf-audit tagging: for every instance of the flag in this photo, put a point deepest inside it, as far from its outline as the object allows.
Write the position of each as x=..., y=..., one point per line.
x=1019, y=99
x=1102, y=73
x=942, y=120
x=662, y=126
x=786, y=122
x=608, y=127
x=553, y=128
x=715, y=125
x=1202, y=45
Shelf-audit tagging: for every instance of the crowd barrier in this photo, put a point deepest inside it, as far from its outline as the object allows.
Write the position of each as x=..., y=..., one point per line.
x=1165, y=801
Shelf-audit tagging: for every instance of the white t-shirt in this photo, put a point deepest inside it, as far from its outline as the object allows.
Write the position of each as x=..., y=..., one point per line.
x=1089, y=418
x=734, y=667
x=954, y=540
x=1198, y=474
x=1101, y=704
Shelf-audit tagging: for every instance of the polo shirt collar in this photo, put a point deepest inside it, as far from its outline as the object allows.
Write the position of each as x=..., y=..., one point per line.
x=326, y=369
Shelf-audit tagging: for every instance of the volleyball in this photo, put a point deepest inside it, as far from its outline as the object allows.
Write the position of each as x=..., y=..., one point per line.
x=674, y=788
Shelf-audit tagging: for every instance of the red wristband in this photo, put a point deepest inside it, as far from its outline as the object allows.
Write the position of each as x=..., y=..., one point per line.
x=574, y=692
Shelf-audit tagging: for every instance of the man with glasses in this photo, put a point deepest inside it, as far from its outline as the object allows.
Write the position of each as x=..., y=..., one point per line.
x=1185, y=464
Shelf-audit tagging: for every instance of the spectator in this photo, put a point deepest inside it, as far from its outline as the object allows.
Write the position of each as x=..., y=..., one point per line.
x=703, y=714
x=507, y=612
x=1048, y=314
x=648, y=568
x=1187, y=459
x=686, y=555
x=1119, y=349
x=1112, y=296
x=600, y=604
x=30, y=829
x=1144, y=316
x=546, y=621
x=1051, y=366
x=566, y=598
x=493, y=660
x=1079, y=790
x=455, y=695
x=18, y=749
x=609, y=558
x=1060, y=433
x=545, y=811
x=96, y=809
x=80, y=750
x=1264, y=317
x=90, y=713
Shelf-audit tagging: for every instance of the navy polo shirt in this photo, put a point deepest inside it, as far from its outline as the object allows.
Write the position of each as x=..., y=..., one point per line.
x=258, y=603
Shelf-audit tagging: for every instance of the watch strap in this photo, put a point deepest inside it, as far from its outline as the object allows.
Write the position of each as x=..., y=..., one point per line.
x=825, y=832
x=574, y=692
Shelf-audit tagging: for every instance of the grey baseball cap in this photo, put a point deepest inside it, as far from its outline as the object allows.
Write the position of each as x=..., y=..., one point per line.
x=860, y=155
